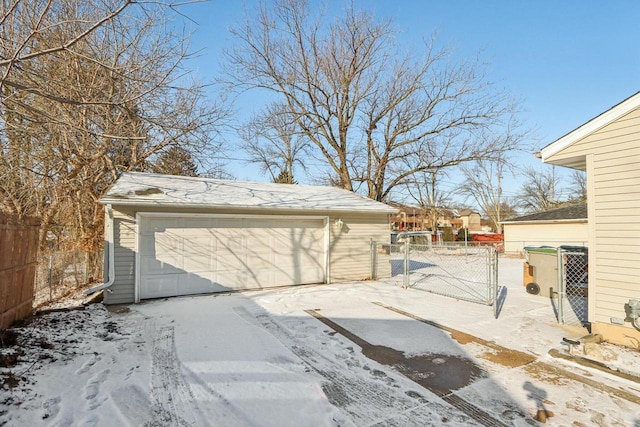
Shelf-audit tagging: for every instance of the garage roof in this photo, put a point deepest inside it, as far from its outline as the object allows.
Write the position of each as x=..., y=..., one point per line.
x=148, y=189
x=568, y=213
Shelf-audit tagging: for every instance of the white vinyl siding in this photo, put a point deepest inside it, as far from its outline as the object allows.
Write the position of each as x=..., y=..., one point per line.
x=350, y=248
x=519, y=235
x=122, y=291
x=614, y=212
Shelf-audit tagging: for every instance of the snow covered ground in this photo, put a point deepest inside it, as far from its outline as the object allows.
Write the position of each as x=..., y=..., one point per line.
x=356, y=354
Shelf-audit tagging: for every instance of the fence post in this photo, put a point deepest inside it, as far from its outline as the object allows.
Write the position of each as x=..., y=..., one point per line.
x=50, y=277
x=494, y=279
x=560, y=280
x=493, y=294
x=405, y=274
x=87, y=258
x=373, y=273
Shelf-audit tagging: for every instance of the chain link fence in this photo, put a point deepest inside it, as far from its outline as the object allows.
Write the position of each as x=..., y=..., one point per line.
x=466, y=272
x=573, y=279
x=59, y=274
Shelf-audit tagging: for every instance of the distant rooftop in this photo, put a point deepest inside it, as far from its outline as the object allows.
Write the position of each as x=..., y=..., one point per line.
x=148, y=189
x=573, y=212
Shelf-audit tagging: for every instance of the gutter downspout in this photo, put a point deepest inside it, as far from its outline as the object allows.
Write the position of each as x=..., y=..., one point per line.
x=110, y=256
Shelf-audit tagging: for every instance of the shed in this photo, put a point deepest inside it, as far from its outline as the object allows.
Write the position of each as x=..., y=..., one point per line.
x=561, y=226
x=608, y=149
x=174, y=235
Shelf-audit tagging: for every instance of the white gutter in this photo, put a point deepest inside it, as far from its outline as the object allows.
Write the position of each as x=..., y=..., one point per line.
x=110, y=255
x=324, y=210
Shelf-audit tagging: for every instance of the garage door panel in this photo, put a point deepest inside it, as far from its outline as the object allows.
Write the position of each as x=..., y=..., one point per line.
x=197, y=264
x=191, y=283
x=181, y=256
x=161, y=265
x=161, y=285
x=229, y=259
x=196, y=254
x=259, y=262
x=233, y=279
x=166, y=244
x=310, y=274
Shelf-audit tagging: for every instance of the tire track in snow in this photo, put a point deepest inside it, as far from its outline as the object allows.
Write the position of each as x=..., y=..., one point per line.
x=171, y=396
x=369, y=396
x=441, y=381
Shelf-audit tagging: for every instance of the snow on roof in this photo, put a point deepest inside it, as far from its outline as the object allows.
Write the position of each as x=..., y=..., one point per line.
x=148, y=189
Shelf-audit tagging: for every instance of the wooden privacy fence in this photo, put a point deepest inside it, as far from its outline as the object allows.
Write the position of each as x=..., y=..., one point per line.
x=18, y=258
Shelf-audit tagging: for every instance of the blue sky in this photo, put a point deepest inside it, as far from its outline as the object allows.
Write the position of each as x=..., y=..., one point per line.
x=567, y=61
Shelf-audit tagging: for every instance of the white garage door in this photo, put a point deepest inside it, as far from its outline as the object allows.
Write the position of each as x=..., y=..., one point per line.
x=190, y=255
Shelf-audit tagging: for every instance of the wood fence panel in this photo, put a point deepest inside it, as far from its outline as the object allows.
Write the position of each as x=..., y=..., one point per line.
x=18, y=257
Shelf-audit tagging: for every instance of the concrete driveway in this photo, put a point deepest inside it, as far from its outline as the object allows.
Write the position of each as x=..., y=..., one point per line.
x=356, y=354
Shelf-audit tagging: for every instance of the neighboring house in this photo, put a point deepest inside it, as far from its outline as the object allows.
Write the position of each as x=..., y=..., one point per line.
x=412, y=218
x=555, y=227
x=608, y=149
x=409, y=218
x=470, y=220
x=173, y=235
x=447, y=217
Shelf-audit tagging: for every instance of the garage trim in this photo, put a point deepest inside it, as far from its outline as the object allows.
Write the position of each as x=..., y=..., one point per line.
x=141, y=215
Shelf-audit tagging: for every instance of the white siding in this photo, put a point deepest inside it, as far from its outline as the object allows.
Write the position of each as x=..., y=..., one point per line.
x=124, y=257
x=349, y=248
x=517, y=236
x=614, y=203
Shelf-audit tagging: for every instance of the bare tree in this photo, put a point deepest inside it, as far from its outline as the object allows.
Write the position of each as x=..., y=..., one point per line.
x=374, y=116
x=483, y=184
x=90, y=88
x=540, y=190
x=578, y=186
x=175, y=161
x=273, y=141
x=425, y=190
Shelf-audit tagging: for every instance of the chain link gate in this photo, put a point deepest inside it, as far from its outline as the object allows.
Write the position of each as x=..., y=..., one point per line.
x=465, y=272
x=573, y=279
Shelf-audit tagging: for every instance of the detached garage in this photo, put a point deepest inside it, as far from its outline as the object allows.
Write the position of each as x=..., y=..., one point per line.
x=171, y=235
x=555, y=227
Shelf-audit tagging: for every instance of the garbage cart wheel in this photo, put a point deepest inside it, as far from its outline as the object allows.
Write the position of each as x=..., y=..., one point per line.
x=533, y=288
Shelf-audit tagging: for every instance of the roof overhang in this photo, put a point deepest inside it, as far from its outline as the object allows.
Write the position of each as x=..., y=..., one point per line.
x=593, y=125
x=236, y=207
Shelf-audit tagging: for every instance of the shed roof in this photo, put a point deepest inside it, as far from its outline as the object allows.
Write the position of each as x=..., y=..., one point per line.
x=148, y=189
x=572, y=213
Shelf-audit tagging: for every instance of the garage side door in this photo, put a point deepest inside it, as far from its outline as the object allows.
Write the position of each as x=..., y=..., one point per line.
x=191, y=255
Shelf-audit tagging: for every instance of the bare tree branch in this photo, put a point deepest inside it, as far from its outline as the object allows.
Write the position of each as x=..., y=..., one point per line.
x=374, y=116
x=540, y=190
x=90, y=91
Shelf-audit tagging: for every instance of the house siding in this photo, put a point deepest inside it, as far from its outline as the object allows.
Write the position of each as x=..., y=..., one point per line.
x=124, y=237
x=349, y=249
x=517, y=236
x=614, y=199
